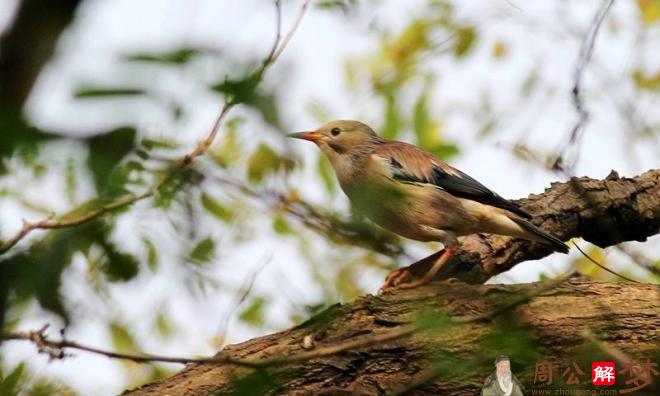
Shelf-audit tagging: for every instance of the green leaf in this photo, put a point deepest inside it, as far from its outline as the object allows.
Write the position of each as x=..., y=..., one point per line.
x=327, y=174
x=345, y=6
x=152, y=255
x=203, y=252
x=245, y=91
x=404, y=51
x=444, y=151
x=421, y=119
x=227, y=150
x=487, y=127
x=71, y=184
x=163, y=325
x=254, y=313
x=174, y=185
x=177, y=57
x=392, y=117
x=37, y=271
x=105, y=153
x=217, y=209
x=122, y=340
x=240, y=90
x=46, y=387
x=264, y=161
x=19, y=137
x=282, y=227
x=11, y=384
x=465, y=39
x=119, y=266
x=90, y=92
x=151, y=144
x=646, y=81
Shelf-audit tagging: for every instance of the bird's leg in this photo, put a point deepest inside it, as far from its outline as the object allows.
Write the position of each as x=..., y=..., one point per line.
x=396, y=277
x=450, y=251
x=399, y=276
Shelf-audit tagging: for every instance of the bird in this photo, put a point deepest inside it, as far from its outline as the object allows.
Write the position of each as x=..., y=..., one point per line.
x=410, y=192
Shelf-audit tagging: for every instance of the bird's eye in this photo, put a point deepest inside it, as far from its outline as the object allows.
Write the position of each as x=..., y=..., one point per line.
x=335, y=131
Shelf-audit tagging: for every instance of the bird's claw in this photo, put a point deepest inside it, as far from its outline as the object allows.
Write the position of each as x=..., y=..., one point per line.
x=395, y=279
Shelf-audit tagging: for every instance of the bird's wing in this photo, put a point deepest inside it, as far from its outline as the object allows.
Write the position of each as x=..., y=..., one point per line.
x=410, y=164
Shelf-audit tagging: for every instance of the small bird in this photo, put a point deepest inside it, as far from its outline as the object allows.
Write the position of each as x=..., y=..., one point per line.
x=412, y=193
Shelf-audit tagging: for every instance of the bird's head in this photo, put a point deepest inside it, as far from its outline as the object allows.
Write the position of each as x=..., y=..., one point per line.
x=341, y=138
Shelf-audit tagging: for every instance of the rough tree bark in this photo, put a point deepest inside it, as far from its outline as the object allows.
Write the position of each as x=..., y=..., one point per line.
x=452, y=353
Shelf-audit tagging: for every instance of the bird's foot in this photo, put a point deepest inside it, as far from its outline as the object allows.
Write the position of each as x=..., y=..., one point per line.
x=400, y=277
x=395, y=279
x=416, y=283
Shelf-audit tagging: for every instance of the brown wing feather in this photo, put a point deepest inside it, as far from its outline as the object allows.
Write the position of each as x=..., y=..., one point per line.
x=419, y=163
x=409, y=163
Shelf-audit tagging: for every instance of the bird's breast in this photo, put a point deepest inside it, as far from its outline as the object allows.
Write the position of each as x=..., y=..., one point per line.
x=399, y=208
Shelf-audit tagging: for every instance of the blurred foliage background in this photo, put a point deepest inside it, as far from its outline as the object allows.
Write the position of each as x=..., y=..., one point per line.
x=99, y=98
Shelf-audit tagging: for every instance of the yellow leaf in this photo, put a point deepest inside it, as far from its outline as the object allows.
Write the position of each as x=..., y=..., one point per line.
x=649, y=10
x=646, y=81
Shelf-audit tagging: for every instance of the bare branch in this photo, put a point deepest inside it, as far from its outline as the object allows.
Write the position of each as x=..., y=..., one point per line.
x=278, y=30
x=294, y=27
x=586, y=50
x=243, y=292
x=180, y=164
x=56, y=349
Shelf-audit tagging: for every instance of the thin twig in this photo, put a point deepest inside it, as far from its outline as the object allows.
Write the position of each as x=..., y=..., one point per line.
x=244, y=292
x=278, y=31
x=294, y=27
x=201, y=148
x=56, y=349
x=601, y=265
x=586, y=51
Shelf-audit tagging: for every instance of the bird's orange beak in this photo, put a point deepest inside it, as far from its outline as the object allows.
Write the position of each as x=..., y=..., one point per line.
x=311, y=136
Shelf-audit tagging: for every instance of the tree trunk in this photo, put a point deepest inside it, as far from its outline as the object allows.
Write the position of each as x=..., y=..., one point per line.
x=442, y=338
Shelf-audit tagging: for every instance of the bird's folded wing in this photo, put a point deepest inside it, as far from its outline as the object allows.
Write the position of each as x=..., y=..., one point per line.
x=410, y=164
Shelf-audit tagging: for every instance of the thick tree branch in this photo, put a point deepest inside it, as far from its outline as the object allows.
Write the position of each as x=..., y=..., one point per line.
x=559, y=322
x=603, y=212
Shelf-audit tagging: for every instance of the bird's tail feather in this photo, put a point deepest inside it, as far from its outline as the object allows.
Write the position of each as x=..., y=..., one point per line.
x=543, y=236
